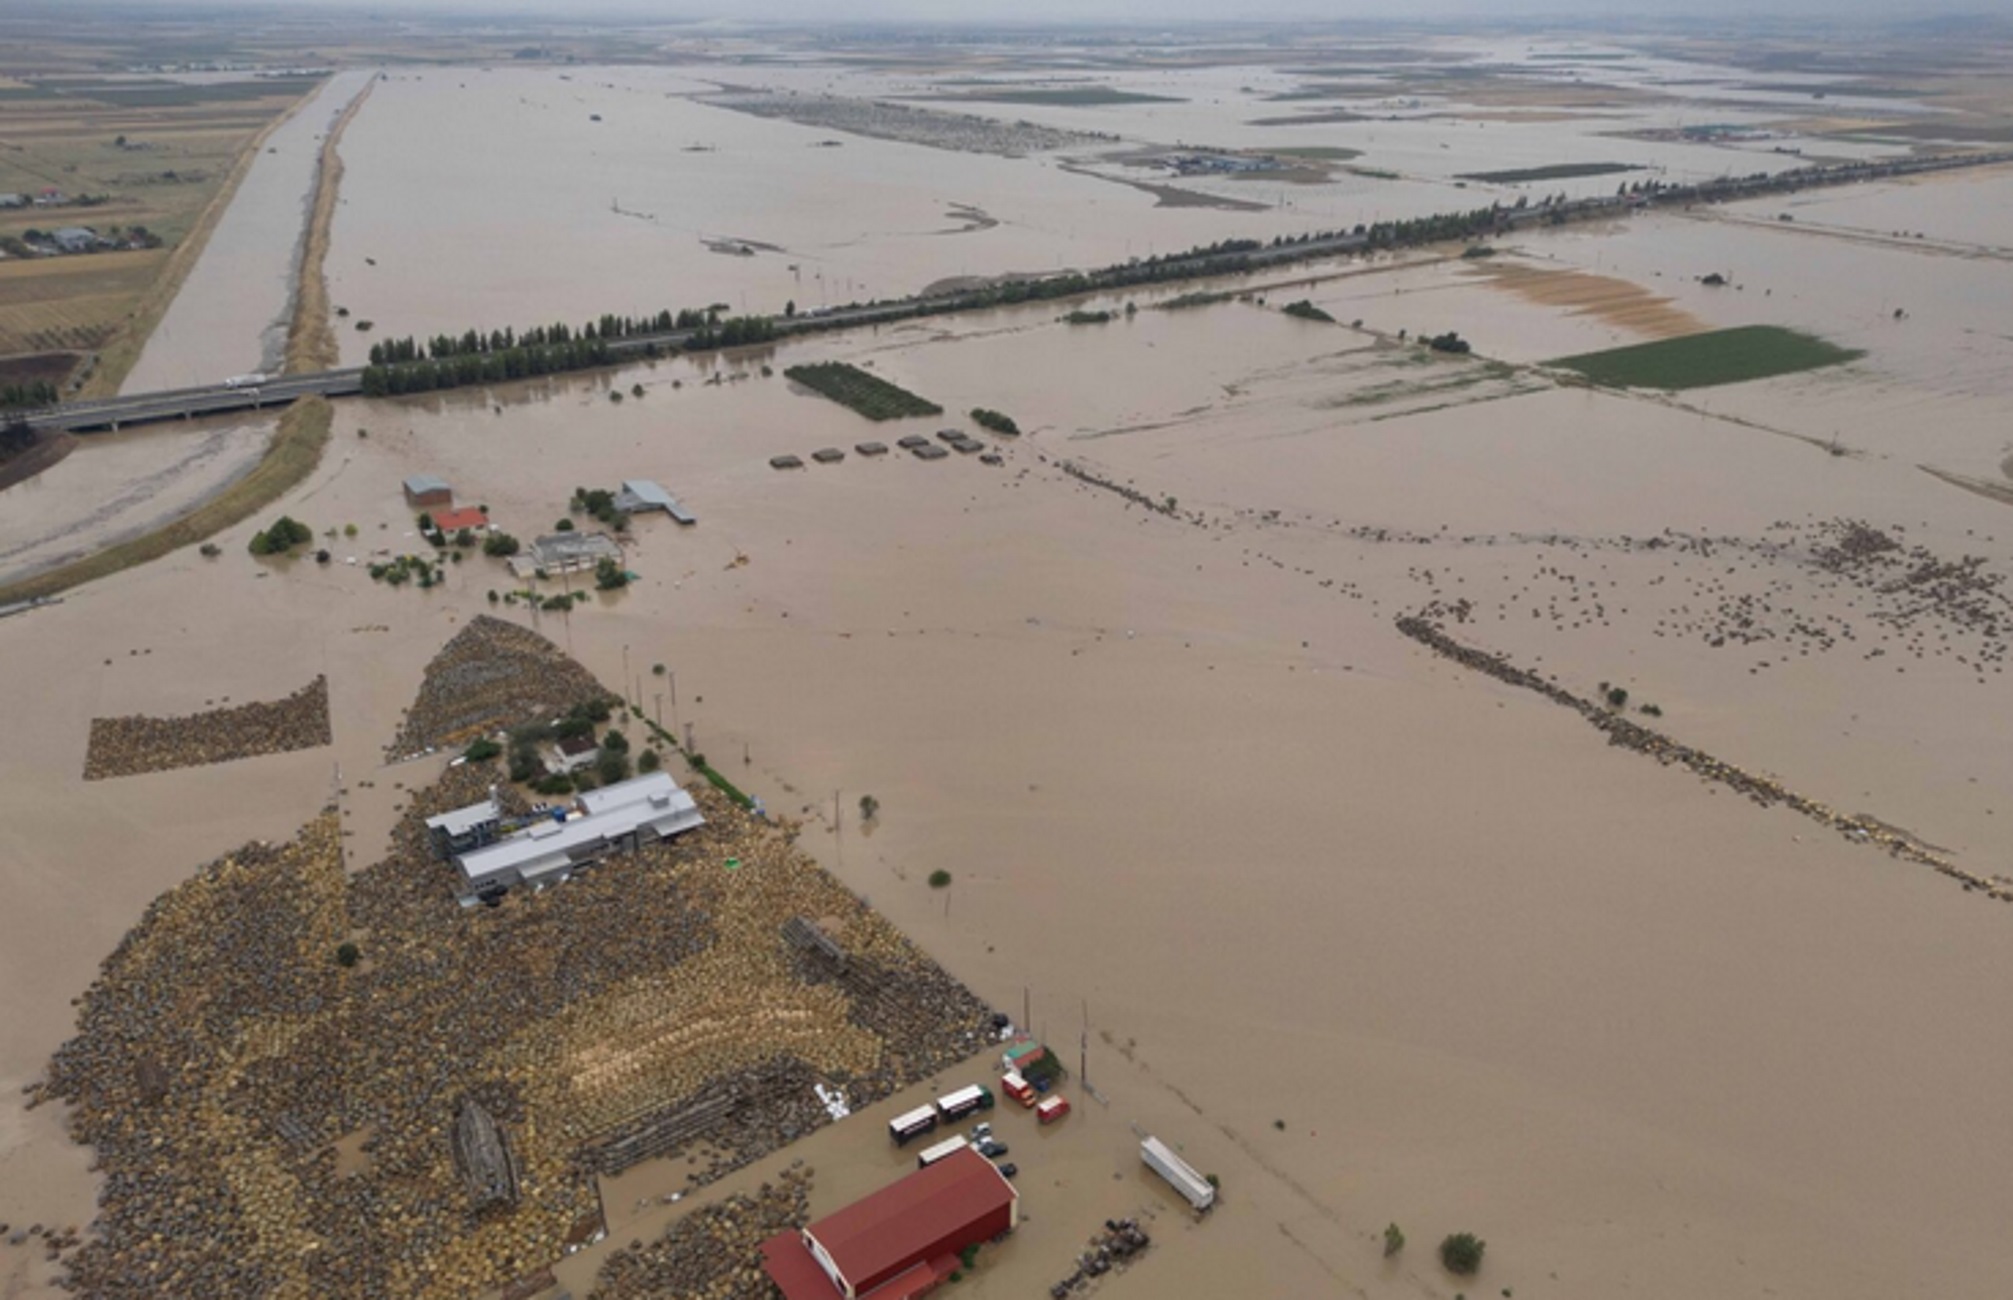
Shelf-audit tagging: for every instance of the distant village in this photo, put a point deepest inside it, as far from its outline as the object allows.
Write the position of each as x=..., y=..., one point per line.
x=61, y=241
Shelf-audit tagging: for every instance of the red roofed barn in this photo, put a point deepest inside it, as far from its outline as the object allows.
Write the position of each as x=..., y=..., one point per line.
x=902, y=1241
x=453, y=521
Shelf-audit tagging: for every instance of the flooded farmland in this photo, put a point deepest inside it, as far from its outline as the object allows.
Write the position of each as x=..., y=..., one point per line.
x=1378, y=935
x=641, y=179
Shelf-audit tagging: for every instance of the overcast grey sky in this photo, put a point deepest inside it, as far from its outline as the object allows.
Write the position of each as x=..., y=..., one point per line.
x=1139, y=11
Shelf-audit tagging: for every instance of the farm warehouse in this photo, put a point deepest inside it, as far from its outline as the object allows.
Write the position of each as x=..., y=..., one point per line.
x=900, y=1242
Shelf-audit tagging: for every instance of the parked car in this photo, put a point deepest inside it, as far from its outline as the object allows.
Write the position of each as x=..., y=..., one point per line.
x=1009, y=1170
x=992, y=1150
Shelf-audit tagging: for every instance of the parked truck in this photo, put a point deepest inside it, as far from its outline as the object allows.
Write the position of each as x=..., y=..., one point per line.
x=256, y=379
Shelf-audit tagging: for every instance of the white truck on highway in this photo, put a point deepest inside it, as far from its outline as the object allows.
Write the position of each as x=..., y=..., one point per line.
x=254, y=380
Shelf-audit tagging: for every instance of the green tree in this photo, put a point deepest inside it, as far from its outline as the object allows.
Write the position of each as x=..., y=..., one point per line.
x=647, y=761
x=1461, y=1252
x=609, y=575
x=346, y=955
x=939, y=878
x=1394, y=1240
x=612, y=766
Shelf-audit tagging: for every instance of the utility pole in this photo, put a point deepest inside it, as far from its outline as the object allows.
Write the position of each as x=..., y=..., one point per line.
x=838, y=832
x=625, y=669
x=660, y=710
x=1083, y=1047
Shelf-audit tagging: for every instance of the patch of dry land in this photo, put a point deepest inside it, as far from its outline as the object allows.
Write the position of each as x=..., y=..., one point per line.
x=117, y=154
x=1424, y=787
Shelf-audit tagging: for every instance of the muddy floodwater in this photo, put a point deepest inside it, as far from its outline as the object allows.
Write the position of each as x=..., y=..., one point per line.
x=230, y=317
x=632, y=189
x=1188, y=777
x=1371, y=933
x=116, y=486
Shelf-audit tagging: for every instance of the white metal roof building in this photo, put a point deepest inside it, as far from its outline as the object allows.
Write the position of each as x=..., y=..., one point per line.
x=567, y=553
x=641, y=494
x=465, y=829
x=617, y=819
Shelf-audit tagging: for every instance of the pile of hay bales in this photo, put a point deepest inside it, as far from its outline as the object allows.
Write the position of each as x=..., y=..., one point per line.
x=714, y=1253
x=226, y=1057
x=131, y=745
x=492, y=676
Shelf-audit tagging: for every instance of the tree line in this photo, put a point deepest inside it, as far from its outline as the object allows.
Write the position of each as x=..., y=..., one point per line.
x=37, y=392
x=405, y=365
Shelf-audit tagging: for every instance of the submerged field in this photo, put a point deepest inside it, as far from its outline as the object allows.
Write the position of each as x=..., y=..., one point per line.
x=1419, y=725
x=1728, y=356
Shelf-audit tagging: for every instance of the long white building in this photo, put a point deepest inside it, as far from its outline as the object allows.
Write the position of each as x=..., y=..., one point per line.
x=616, y=819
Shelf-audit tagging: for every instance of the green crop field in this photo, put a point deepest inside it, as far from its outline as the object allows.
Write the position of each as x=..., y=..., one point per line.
x=1555, y=172
x=1729, y=356
x=870, y=395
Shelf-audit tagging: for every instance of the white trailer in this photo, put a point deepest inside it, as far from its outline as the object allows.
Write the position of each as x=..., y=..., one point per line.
x=1194, y=1188
x=253, y=380
x=914, y=1124
x=957, y=1105
x=948, y=1147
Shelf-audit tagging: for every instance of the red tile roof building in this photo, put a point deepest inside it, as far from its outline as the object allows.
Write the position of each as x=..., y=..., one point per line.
x=453, y=521
x=902, y=1241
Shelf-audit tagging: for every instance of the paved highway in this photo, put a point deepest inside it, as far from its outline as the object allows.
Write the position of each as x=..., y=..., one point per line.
x=223, y=399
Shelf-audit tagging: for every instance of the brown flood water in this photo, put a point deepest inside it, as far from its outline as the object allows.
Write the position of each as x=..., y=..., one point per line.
x=1491, y=974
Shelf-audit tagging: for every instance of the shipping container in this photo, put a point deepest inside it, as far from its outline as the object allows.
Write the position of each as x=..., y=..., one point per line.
x=1019, y=1050
x=930, y=1155
x=912, y=1125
